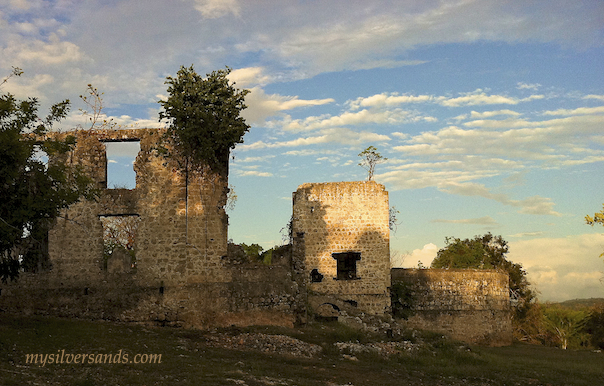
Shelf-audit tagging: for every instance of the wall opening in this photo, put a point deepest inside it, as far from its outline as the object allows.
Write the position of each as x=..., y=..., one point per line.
x=347, y=265
x=119, y=242
x=315, y=276
x=120, y=163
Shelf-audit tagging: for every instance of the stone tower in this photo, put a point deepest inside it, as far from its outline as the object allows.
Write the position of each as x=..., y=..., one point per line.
x=341, y=233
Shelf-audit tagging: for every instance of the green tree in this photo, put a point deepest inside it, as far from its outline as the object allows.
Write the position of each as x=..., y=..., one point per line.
x=204, y=119
x=595, y=327
x=487, y=252
x=598, y=218
x=567, y=326
x=369, y=159
x=33, y=192
x=253, y=251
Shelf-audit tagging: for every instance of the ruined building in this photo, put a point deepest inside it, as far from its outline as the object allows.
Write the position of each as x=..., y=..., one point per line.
x=180, y=273
x=343, y=228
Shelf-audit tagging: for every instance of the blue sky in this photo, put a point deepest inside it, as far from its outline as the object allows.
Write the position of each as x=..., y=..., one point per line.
x=491, y=113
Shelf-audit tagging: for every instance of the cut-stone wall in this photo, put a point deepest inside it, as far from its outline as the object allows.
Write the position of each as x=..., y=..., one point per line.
x=336, y=218
x=470, y=305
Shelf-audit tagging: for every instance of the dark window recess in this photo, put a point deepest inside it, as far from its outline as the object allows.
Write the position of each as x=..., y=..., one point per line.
x=315, y=276
x=347, y=265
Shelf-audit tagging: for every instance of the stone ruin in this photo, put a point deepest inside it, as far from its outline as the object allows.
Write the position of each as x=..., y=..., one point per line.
x=179, y=271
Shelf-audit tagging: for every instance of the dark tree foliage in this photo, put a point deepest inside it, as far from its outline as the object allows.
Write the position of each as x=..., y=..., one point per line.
x=204, y=118
x=487, y=252
x=32, y=192
x=595, y=327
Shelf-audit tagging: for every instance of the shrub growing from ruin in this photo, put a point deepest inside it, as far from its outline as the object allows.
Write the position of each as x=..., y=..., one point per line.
x=204, y=121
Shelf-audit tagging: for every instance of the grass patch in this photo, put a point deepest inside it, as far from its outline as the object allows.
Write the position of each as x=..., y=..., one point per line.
x=188, y=359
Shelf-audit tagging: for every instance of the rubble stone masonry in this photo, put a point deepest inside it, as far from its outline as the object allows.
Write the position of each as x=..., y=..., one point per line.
x=468, y=304
x=181, y=273
x=342, y=217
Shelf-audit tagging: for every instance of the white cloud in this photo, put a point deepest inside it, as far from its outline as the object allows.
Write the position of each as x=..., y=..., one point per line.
x=244, y=77
x=253, y=173
x=479, y=97
x=348, y=118
x=261, y=105
x=486, y=220
x=592, y=96
x=27, y=86
x=531, y=205
x=488, y=114
x=527, y=86
x=51, y=52
x=20, y=4
x=337, y=135
x=527, y=234
x=255, y=159
x=387, y=100
x=314, y=43
x=518, y=143
x=212, y=9
x=384, y=63
x=562, y=268
x=411, y=260
x=399, y=135
x=577, y=111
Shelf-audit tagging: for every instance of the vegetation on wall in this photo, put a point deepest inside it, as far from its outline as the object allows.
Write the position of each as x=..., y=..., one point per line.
x=255, y=253
x=370, y=157
x=401, y=300
x=204, y=121
x=487, y=252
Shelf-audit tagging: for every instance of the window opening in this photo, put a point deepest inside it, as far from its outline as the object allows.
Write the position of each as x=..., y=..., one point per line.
x=347, y=265
x=315, y=276
x=119, y=242
x=120, y=164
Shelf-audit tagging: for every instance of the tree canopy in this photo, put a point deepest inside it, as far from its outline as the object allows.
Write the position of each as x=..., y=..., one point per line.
x=204, y=118
x=486, y=252
x=33, y=192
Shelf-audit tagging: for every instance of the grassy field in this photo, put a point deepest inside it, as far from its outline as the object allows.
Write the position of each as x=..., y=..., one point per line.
x=189, y=358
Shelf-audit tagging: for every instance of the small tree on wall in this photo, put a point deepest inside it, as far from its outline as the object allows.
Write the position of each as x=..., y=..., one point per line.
x=204, y=118
x=369, y=159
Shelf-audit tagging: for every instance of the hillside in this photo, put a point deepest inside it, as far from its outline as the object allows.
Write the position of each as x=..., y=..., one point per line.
x=583, y=303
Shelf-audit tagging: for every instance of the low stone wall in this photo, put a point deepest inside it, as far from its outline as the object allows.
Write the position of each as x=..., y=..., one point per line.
x=258, y=294
x=469, y=305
